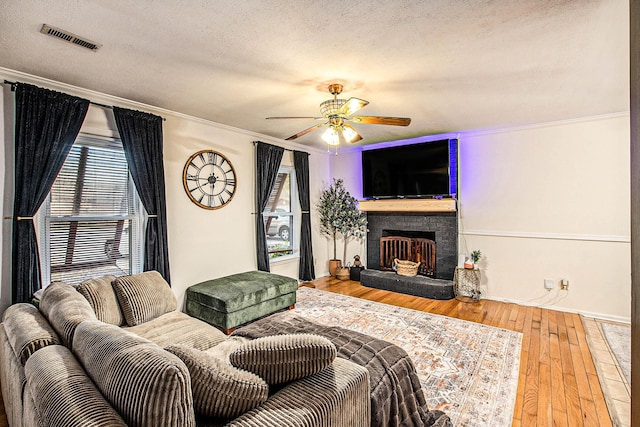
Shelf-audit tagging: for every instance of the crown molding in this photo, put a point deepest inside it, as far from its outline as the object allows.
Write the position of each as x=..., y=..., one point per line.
x=482, y=132
x=103, y=98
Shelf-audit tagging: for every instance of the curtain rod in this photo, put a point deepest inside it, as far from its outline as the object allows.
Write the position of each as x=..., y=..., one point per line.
x=109, y=107
x=285, y=149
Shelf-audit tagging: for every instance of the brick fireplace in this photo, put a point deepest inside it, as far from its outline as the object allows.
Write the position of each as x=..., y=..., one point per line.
x=440, y=227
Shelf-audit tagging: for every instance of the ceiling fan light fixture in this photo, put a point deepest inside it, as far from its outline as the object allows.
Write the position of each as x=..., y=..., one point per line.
x=349, y=134
x=337, y=112
x=331, y=107
x=331, y=136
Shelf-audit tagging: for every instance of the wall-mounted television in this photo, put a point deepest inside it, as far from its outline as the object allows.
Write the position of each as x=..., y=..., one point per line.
x=422, y=170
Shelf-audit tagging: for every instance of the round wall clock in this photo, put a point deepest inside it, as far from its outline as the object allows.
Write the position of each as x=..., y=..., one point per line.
x=209, y=179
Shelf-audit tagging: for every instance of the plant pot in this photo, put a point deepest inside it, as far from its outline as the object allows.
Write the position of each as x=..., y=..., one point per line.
x=334, y=264
x=342, y=273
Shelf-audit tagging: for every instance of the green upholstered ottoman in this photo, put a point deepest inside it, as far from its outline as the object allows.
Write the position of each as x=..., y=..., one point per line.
x=233, y=300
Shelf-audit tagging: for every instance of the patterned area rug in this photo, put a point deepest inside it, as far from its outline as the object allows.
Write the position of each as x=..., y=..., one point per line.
x=468, y=370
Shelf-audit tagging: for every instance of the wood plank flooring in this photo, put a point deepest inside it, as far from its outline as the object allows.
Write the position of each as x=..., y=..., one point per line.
x=558, y=384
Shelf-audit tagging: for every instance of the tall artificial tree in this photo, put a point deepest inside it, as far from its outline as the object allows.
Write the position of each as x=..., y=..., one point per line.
x=339, y=214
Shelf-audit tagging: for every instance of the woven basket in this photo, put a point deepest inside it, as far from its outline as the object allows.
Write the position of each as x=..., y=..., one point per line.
x=406, y=268
x=342, y=273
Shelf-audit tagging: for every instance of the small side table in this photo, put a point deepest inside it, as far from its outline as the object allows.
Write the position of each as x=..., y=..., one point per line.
x=466, y=284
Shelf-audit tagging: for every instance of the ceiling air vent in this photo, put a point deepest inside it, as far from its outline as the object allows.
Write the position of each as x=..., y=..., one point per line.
x=69, y=37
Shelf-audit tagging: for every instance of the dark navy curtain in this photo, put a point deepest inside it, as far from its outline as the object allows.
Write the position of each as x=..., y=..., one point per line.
x=141, y=135
x=268, y=158
x=47, y=124
x=306, y=271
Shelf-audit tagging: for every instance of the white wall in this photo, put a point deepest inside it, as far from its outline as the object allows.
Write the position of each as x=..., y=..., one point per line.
x=347, y=165
x=203, y=244
x=546, y=201
x=551, y=201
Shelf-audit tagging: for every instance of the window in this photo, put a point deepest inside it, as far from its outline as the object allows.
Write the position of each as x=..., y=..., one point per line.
x=280, y=215
x=90, y=225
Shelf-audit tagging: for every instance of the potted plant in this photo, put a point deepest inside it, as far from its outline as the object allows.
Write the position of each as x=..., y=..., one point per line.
x=475, y=257
x=339, y=215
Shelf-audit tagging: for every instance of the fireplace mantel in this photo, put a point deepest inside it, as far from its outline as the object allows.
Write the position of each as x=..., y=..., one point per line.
x=408, y=205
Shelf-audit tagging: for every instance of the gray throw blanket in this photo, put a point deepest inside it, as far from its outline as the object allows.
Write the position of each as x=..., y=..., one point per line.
x=396, y=393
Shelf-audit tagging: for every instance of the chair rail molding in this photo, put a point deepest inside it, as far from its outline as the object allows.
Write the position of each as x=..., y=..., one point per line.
x=548, y=236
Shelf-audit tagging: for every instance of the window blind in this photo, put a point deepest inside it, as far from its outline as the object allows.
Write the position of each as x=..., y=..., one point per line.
x=93, y=218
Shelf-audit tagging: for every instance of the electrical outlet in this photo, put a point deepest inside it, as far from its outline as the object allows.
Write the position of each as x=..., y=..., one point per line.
x=548, y=284
x=564, y=284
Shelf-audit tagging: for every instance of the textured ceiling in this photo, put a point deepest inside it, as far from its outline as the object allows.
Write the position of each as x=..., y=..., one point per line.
x=450, y=65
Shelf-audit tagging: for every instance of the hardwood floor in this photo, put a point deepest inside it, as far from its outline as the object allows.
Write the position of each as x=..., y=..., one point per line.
x=558, y=384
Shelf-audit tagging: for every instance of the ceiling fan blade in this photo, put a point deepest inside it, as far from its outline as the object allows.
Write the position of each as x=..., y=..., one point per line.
x=352, y=105
x=354, y=138
x=306, y=131
x=379, y=120
x=306, y=118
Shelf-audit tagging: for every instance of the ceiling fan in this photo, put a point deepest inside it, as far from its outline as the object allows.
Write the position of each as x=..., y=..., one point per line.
x=337, y=112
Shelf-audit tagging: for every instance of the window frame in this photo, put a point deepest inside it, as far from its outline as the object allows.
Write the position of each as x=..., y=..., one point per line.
x=137, y=217
x=294, y=230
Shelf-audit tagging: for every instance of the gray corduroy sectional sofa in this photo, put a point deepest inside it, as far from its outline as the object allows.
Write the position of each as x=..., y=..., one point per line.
x=116, y=351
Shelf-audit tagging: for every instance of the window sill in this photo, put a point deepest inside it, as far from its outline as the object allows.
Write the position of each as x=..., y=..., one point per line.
x=286, y=259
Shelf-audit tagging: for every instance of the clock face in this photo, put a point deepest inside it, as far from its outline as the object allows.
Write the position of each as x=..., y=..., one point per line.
x=209, y=179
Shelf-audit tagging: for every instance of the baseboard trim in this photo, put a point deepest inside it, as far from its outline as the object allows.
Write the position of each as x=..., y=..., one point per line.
x=594, y=315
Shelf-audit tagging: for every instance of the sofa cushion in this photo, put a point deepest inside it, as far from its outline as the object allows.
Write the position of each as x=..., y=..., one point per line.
x=336, y=396
x=144, y=296
x=179, y=328
x=145, y=384
x=225, y=348
x=283, y=358
x=102, y=299
x=27, y=330
x=65, y=309
x=63, y=394
x=219, y=389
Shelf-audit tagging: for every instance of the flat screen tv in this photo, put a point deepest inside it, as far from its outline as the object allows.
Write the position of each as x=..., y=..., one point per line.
x=421, y=170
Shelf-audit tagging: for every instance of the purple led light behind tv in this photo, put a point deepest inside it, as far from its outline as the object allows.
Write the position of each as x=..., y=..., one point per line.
x=411, y=181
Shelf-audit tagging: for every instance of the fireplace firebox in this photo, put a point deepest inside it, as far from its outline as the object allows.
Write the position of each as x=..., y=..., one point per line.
x=416, y=246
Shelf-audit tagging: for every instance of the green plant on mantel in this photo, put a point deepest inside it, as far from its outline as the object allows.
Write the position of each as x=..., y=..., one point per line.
x=339, y=214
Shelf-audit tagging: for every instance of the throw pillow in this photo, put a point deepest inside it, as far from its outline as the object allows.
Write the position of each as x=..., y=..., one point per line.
x=65, y=309
x=283, y=358
x=144, y=297
x=145, y=384
x=219, y=389
x=103, y=300
x=27, y=331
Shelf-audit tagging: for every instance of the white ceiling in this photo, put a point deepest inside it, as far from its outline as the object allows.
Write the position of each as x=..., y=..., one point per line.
x=450, y=65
